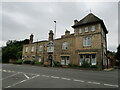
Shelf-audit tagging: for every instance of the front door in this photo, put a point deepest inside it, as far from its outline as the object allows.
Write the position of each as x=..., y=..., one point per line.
x=50, y=59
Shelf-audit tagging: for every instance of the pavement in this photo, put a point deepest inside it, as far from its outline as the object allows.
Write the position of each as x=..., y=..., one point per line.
x=30, y=76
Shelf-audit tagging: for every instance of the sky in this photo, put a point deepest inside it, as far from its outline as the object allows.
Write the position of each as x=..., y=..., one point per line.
x=20, y=19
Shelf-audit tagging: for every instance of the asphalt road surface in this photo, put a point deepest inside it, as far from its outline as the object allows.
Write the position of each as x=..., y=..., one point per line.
x=30, y=76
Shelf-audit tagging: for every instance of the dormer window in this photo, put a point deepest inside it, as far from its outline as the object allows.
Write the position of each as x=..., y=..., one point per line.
x=80, y=30
x=93, y=28
x=86, y=29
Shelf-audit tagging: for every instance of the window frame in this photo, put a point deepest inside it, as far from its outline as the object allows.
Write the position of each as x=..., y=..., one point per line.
x=32, y=49
x=40, y=48
x=93, y=28
x=65, y=60
x=87, y=41
x=64, y=45
x=86, y=29
x=93, y=60
x=80, y=30
x=26, y=49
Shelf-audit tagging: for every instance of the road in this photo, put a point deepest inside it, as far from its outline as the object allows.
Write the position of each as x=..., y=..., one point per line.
x=30, y=76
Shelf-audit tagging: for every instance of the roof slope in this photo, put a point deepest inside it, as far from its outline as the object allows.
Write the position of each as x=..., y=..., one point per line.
x=89, y=19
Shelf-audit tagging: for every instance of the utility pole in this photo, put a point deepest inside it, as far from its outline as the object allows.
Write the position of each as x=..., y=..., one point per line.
x=54, y=40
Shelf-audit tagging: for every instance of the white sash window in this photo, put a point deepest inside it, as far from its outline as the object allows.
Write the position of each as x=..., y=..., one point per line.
x=93, y=28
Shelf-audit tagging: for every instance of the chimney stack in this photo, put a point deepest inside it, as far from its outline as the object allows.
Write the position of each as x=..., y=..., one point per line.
x=67, y=32
x=75, y=21
x=31, y=39
x=51, y=35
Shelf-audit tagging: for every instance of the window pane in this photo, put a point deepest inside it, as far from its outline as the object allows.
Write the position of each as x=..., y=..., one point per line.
x=93, y=59
x=86, y=29
x=87, y=41
x=81, y=59
x=62, y=60
x=26, y=49
x=32, y=49
x=93, y=28
x=80, y=30
x=65, y=46
x=40, y=48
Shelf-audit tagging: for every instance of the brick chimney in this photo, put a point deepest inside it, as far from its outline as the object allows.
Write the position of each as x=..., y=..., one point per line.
x=67, y=33
x=75, y=21
x=51, y=35
x=31, y=39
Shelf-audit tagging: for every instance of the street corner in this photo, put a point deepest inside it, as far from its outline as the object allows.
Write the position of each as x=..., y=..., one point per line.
x=15, y=78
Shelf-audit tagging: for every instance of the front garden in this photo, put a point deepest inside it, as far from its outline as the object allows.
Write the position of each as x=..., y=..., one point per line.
x=84, y=65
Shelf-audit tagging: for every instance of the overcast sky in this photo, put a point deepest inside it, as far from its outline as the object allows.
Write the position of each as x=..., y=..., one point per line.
x=20, y=19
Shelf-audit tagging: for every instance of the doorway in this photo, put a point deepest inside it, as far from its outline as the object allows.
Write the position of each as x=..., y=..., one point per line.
x=50, y=59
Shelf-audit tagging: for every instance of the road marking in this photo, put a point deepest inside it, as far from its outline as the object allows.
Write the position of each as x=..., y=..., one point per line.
x=26, y=76
x=111, y=85
x=4, y=71
x=22, y=81
x=9, y=71
x=9, y=76
x=66, y=78
x=45, y=75
x=54, y=77
x=93, y=82
x=78, y=80
x=12, y=71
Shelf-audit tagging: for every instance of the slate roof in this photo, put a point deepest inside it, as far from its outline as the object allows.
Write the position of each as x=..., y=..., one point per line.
x=89, y=19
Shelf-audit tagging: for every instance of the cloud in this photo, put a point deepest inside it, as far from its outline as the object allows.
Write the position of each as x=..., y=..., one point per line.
x=20, y=19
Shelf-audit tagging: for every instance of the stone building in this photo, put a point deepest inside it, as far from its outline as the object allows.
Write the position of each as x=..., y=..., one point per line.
x=87, y=43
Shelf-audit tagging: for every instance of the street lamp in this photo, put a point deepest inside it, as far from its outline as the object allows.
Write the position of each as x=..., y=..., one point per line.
x=55, y=30
x=54, y=40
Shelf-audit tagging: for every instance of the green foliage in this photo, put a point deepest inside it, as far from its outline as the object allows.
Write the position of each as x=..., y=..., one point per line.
x=72, y=65
x=85, y=64
x=32, y=62
x=110, y=53
x=38, y=63
x=18, y=62
x=56, y=63
x=94, y=66
x=13, y=50
x=27, y=62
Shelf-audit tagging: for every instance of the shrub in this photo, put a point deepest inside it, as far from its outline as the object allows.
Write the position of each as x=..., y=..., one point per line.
x=32, y=62
x=26, y=61
x=38, y=63
x=85, y=64
x=72, y=65
x=18, y=62
x=94, y=66
x=56, y=63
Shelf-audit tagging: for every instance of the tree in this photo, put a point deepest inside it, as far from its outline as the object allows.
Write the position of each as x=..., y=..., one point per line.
x=13, y=50
x=118, y=53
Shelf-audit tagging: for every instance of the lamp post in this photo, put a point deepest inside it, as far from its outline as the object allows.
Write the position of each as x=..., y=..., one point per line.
x=54, y=40
x=55, y=30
